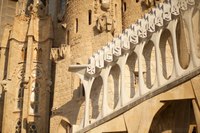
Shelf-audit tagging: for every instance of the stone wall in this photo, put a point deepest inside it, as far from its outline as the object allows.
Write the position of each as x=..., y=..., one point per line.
x=135, y=9
x=85, y=34
x=7, y=13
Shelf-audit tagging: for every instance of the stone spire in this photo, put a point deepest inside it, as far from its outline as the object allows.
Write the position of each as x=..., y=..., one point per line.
x=35, y=7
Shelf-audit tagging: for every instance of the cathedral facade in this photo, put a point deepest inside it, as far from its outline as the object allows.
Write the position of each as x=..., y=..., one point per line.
x=40, y=42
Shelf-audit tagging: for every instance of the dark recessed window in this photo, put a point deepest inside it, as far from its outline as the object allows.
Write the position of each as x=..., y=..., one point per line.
x=67, y=37
x=124, y=6
x=89, y=17
x=76, y=25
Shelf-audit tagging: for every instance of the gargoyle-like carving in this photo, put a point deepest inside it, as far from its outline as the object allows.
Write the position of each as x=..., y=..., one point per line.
x=105, y=23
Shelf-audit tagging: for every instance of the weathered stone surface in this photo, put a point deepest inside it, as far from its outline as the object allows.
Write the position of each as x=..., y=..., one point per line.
x=141, y=76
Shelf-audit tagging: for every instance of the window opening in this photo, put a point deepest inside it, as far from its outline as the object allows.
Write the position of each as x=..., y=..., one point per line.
x=89, y=17
x=76, y=28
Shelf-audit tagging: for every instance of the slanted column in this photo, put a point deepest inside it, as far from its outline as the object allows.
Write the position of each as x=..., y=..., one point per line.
x=105, y=109
x=87, y=86
x=156, y=40
x=105, y=89
x=138, y=51
x=123, y=98
x=172, y=27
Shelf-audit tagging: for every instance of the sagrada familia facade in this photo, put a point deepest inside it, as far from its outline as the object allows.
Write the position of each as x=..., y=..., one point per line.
x=99, y=66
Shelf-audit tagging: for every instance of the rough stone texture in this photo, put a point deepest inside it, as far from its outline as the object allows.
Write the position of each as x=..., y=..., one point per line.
x=41, y=41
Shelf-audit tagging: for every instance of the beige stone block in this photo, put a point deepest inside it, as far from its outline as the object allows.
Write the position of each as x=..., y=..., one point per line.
x=183, y=91
x=115, y=125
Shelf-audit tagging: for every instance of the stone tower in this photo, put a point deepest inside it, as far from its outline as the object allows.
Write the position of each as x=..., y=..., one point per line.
x=89, y=24
x=27, y=78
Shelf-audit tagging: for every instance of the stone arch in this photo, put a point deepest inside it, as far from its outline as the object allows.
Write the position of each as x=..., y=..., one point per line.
x=182, y=43
x=196, y=30
x=166, y=50
x=113, y=86
x=131, y=75
x=174, y=116
x=149, y=64
x=96, y=96
x=64, y=127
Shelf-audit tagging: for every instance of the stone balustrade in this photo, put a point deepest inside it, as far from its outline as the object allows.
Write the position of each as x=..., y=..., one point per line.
x=143, y=58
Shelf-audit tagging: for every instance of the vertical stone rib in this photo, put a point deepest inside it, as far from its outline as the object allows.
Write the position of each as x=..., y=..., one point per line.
x=172, y=28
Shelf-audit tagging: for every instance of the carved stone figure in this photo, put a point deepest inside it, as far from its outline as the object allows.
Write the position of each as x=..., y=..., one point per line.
x=37, y=8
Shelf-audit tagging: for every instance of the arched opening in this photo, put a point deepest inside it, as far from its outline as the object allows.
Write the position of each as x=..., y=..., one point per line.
x=166, y=53
x=149, y=64
x=174, y=117
x=113, y=87
x=182, y=44
x=96, y=97
x=64, y=127
x=196, y=30
x=131, y=75
x=68, y=34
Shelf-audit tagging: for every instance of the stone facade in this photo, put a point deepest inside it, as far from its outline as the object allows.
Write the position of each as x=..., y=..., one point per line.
x=43, y=42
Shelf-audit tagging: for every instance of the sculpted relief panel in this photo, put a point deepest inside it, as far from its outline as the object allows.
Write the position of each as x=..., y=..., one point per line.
x=105, y=21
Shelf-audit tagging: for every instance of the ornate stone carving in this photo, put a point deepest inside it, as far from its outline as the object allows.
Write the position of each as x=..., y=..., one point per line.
x=37, y=53
x=60, y=53
x=38, y=9
x=149, y=3
x=21, y=73
x=36, y=73
x=105, y=23
x=20, y=7
x=95, y=7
